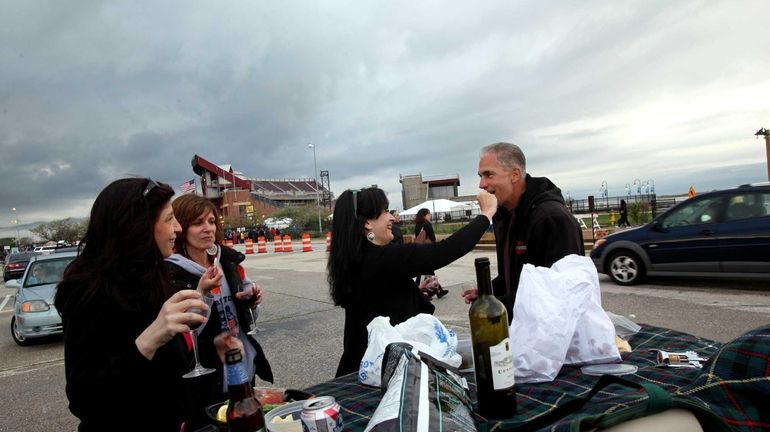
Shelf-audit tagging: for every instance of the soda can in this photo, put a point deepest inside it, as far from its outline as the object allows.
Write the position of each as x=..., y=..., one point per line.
x=321, y=414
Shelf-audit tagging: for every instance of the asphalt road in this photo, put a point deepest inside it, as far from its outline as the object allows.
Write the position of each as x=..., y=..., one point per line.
x=302, y=330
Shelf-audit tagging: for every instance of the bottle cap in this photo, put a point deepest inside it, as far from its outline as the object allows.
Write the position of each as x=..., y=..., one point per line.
x=233, y=356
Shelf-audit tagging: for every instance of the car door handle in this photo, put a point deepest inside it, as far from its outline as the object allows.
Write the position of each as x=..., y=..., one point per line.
x=707, y=232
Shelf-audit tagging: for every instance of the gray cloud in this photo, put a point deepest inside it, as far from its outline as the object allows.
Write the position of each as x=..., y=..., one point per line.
x=593, y=91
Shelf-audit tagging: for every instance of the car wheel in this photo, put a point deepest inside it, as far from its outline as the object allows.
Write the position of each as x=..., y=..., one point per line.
x=17, y=336
x=625, y=268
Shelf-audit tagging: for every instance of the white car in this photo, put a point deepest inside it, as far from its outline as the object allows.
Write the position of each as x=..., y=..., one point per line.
x=34, y=315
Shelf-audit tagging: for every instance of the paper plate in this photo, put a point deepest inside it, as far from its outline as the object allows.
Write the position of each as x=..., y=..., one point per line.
x=609, y=369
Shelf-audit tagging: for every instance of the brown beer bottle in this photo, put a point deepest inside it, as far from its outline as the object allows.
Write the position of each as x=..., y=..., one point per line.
x=492, y=354
x=244, y=412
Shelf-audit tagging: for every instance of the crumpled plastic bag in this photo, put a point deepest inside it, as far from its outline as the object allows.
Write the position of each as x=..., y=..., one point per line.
x=424, y=332
x=558, y=320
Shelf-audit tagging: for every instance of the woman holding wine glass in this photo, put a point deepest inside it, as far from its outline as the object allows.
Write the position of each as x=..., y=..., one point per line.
x=124, y=322
x=197, y=248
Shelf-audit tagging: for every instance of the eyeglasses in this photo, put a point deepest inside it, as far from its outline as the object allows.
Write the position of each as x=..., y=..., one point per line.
x=355, y=201
x=151, y=184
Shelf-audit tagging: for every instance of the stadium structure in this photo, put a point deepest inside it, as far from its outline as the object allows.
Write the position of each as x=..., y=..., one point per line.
x=416, y=189
x=244, y=200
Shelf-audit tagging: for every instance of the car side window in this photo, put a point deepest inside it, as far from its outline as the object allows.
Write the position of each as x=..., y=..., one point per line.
x=699, y=211
x=747, y=205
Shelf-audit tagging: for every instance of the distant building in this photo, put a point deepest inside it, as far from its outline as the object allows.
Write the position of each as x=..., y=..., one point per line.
x=251, y=200
x=415, y=189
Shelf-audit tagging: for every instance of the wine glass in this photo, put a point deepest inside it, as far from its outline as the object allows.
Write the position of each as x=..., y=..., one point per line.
x=199, y=370
x=247, y=288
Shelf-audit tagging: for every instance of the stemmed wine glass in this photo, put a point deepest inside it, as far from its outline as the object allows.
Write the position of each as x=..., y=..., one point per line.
x=199, y=370
x=254, y=315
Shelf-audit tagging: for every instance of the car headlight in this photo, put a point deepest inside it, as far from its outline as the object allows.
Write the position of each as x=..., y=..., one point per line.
x=34, y=306
x=599, y=242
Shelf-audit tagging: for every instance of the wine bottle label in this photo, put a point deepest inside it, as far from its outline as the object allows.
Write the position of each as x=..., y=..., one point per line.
x=501, y=358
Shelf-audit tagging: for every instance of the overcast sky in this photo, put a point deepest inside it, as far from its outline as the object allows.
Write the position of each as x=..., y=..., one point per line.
x=593, y=91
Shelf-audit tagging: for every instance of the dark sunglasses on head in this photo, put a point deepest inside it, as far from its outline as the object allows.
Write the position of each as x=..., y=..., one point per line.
x=151, y=184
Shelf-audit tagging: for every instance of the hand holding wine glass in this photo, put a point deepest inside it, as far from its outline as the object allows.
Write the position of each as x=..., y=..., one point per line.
x=251, y=294
x=195, y=326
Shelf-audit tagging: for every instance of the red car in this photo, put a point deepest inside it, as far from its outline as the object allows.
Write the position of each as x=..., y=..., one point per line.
x=15, y=264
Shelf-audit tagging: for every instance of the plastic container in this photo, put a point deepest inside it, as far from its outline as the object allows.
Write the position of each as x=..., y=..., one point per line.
x=294, y=409
x=465, y=349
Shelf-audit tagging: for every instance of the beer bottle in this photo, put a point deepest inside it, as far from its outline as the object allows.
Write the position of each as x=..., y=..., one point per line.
x=244, y=412
x=492, y=354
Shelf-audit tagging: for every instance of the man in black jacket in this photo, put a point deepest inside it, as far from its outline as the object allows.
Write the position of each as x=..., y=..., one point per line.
x=532, y=225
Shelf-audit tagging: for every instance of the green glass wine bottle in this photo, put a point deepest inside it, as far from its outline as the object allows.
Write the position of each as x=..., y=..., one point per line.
x=492, y=353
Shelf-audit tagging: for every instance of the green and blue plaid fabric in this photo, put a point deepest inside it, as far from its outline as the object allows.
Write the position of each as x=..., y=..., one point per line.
x=734, y=385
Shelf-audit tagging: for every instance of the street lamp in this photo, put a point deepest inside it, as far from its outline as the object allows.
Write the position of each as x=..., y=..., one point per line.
x=16, y=222
x=765, y=133
x=317, y=190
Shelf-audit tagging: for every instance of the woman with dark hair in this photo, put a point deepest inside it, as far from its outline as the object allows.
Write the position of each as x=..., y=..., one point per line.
x=369, y=277
x=196, y=248
x=124, y=349
x=423, y=233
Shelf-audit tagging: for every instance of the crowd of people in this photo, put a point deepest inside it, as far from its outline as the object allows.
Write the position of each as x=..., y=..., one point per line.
x=147, y=262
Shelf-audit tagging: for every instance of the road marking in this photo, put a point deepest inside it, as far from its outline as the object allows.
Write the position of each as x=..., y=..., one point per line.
x=2, y=305
x=18, y=370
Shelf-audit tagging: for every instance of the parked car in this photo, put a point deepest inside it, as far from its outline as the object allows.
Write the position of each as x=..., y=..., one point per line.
x=34, y=314
x=15, y=265
x=720, y=233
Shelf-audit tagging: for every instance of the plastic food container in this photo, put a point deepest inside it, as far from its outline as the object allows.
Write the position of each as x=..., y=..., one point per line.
x=294, y=409
x=465, y=349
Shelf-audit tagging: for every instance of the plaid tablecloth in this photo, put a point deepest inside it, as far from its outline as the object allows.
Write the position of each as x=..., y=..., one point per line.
x=358, y=401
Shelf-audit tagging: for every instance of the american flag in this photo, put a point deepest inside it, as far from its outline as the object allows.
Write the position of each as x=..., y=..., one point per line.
x=188, y=186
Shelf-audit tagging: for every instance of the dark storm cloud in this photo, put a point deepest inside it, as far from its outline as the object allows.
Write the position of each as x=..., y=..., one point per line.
x=593, y=91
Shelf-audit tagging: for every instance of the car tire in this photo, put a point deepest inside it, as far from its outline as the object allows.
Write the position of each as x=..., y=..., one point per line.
x=625, y=268
x=17, y=336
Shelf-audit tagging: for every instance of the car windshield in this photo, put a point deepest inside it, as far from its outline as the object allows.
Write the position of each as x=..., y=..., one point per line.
x=46, y=272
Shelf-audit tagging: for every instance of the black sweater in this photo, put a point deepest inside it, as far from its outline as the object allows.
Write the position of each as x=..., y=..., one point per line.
x=384, y=285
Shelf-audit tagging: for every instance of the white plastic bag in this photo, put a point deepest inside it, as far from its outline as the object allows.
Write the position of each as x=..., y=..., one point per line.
x=559, y=320
x=424, y=332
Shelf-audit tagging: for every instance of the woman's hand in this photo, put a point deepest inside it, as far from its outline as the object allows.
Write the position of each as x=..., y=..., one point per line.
x=173, y=318
x=487, y=203
x=227, y=341
x=251, y=291
x=210, y=279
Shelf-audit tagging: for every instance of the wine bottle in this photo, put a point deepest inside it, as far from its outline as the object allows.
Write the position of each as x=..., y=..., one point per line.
x=244, y=412
x=492, y=353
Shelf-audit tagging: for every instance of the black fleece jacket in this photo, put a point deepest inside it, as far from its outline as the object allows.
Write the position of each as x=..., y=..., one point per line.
x=542, y=232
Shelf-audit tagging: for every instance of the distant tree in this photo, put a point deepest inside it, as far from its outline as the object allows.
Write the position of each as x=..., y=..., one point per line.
x=67, y=229
x=305, y=217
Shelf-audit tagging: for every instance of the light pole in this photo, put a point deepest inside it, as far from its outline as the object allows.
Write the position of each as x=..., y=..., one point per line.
x=16, y=223
x=764, y=132
x=317, y=190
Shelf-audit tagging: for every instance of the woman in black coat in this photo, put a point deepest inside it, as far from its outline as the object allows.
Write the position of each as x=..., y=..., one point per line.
x=423, y=233
x=369, y=277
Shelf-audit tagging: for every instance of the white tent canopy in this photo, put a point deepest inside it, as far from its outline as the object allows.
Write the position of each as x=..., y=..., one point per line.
x=435, y=206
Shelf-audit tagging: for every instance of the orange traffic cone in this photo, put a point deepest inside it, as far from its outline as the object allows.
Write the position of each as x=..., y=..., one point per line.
x=249, y=246
x=261, y=246
x=328, y=241
x=287, y=243
x=306, y=245
x=277, y=244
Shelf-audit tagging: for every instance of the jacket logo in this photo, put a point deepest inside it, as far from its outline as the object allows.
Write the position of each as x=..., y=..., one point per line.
x=521, y=248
